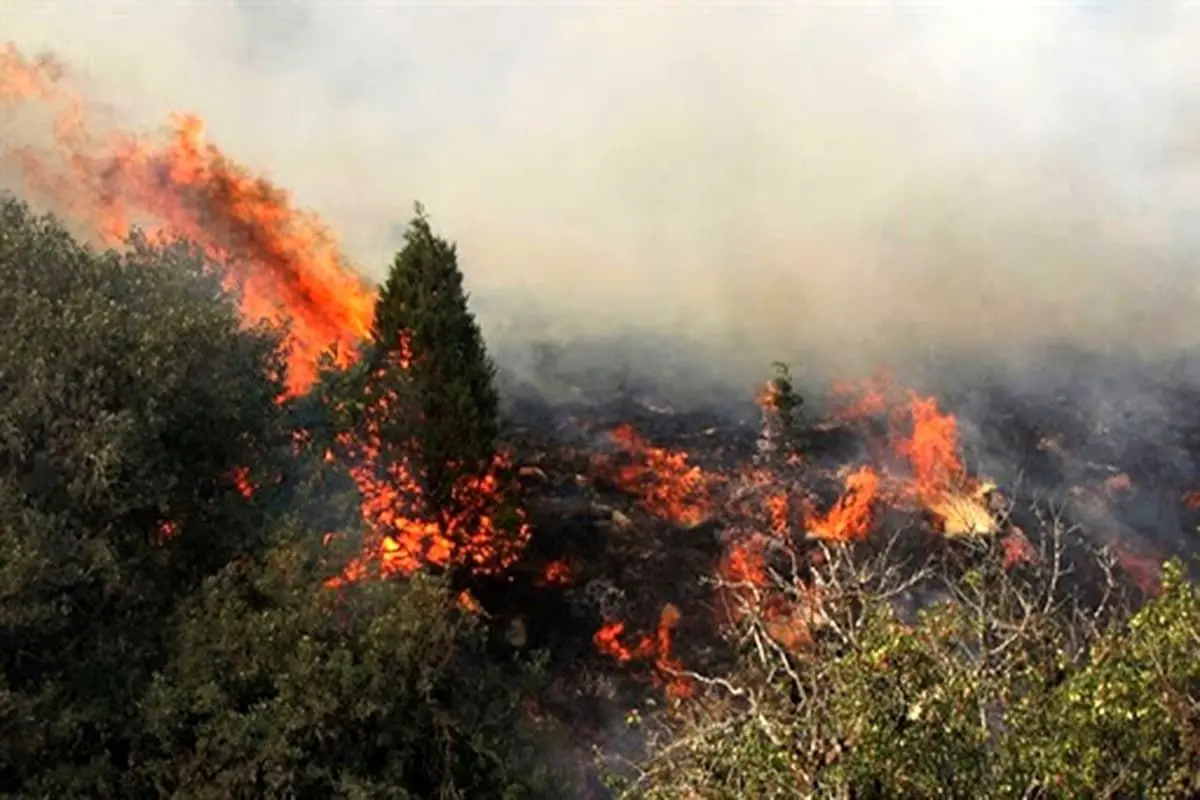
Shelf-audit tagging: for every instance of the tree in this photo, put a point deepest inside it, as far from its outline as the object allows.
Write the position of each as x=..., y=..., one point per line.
x=779, y=403
x=282, y=687
x=428, y=365
x=133, y=406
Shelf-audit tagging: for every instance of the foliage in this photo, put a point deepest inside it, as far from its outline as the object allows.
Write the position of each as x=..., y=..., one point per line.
x=130, y=395
x=166, y=618
x=422, y=317
x=381, y=689
x=1006, y=687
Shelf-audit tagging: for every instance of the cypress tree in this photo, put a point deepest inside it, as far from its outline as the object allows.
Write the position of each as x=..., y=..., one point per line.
x=428, y=349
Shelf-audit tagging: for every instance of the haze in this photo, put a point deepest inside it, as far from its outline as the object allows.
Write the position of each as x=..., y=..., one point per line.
x=836, y=187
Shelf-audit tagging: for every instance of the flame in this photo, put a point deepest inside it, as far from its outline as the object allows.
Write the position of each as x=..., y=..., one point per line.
x=404, y=540
x=931, y=449
x=557, y=573
x=655, y=648
x=663, y=480
x=852, y=516
x=744, y=577
x=286, y=262
x=928, y=471
x=241, y=479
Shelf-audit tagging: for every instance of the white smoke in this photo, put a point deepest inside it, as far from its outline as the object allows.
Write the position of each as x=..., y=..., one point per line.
x=834, y=185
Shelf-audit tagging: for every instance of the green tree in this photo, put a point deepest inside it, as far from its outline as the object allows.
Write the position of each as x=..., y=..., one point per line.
x=429, y=364
x=132, y=403
x=283, y=687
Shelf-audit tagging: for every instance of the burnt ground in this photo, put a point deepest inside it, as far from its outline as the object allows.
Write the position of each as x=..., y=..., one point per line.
x=1116, y=455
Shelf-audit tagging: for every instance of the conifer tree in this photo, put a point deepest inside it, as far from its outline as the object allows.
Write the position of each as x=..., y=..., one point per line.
x=780, y=404
x=428, y=348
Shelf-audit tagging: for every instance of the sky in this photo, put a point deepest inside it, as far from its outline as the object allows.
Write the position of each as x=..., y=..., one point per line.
x=837, y=184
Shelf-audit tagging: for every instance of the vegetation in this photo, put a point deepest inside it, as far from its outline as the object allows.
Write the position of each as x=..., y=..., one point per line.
x=166, y=634
x=448, y=376
x=172, y=623
x=1012, y=685
x=425, y=392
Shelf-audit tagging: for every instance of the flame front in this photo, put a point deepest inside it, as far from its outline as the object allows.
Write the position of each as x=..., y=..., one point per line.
x=665, y=483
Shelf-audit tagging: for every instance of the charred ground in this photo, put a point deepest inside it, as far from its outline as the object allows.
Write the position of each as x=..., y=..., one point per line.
x=1105, y=447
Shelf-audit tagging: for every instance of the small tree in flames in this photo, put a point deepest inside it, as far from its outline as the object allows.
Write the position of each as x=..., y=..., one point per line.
x=429, y=366
x=780, y=404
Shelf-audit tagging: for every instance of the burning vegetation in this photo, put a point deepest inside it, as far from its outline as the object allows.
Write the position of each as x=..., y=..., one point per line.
x=277, y=510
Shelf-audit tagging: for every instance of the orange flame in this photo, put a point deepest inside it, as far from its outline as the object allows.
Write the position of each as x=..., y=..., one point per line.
x=663, y=480
x=655, y=648
x=286, y=262
x=851, y=517
x=557, y=573
x=931, y=449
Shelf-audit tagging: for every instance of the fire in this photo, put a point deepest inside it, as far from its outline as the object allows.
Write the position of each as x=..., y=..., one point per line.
x=929, y=472
x=287, y=266
x=407, y=539
x=557, y=573
x=241, y=479
x=655, y=648
x=286, y=262
x=852, y=516
x=744, y=576
x=915, y=462
x=665, y=483
x=931, y=449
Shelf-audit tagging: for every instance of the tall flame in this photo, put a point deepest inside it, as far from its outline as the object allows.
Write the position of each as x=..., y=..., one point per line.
x=286, y=261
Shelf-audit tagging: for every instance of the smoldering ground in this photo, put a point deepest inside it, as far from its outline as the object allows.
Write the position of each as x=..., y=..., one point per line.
x=838, y=187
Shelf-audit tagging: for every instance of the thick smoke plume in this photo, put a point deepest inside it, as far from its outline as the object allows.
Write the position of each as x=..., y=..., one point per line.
x=838, y=187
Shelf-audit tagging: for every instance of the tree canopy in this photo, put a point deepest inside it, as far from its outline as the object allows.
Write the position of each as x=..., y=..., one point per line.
x=167, y=622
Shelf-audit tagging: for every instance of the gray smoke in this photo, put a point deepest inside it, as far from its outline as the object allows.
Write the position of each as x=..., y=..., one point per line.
x=832, y=186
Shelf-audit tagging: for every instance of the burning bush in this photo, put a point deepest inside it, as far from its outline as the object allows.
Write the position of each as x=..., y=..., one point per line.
x=1005, y=683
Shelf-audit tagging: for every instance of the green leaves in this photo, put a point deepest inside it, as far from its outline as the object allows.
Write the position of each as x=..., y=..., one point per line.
x=979, y=696
x=130, y=393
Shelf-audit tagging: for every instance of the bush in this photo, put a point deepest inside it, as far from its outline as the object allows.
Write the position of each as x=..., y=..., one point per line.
x=1008, y=686
x=130, y=398
x=282, y=688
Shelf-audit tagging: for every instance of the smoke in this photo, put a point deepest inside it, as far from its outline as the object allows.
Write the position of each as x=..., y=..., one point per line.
x=833, y=186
